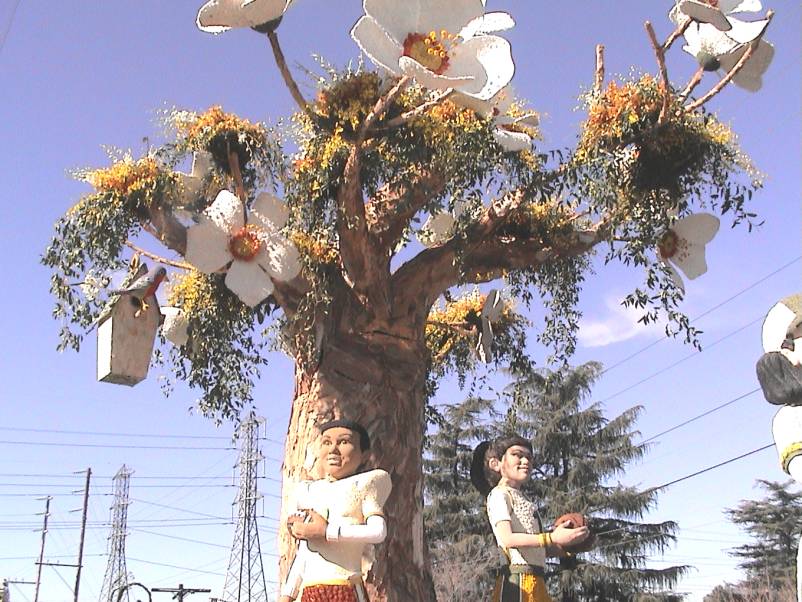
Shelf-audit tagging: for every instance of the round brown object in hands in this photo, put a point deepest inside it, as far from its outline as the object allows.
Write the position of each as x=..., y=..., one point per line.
x=577, y=520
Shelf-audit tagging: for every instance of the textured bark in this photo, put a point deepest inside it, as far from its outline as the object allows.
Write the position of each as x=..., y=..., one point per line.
x=376, y=377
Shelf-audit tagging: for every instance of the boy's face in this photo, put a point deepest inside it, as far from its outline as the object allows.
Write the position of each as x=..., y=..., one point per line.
x=516, y=464
x=340, y=452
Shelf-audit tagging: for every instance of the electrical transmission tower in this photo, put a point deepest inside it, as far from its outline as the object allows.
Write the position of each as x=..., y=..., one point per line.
x=116, y=572
x=245, y=579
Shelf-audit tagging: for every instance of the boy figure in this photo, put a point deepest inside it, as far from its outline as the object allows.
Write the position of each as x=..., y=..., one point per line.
x=336, y=518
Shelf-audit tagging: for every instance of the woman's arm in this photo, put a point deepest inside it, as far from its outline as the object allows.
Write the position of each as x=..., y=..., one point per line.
x=373, y=531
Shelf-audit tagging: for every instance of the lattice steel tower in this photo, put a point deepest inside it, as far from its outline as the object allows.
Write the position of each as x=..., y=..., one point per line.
x=245, y=579
x=116, y=572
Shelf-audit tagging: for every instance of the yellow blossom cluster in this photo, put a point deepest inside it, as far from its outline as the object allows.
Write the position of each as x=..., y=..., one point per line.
x=448, y=327
x=349, y=100
x=546, y=221
x=191, y=291
x=125, y=177
x=200, y=128
x=315, y=246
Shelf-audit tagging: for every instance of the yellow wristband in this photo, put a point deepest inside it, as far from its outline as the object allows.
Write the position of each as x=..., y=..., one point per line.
x=548, y=539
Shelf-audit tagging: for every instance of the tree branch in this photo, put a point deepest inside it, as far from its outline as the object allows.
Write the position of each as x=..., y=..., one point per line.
x=285, y=73
x=732, y=72
x=598, y=78
x=661, y=63
x=405, y=117
x=695, y=80
x=681, y=28
x=380, y=108
x=162, y=260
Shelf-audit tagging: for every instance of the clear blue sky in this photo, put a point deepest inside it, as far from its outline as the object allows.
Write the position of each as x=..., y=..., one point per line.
x=75, y=76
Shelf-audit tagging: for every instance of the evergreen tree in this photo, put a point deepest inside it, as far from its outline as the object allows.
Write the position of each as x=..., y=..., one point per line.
x=578, y=451
x=459, y=536
x=775, y=523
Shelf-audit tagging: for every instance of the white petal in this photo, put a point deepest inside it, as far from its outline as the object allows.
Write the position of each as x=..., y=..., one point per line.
x=512, y=142
x=452, y=16
x=487, y=23
x=175, y=326
x=698, y=228
x=207, y=247
x=436, y=230
x=703, y=37
x=269, y=212
x=495, y=56
x=396, y=21
x=429, y=79
x=493, y=306
x=249, y=282
x=704, y=13
x=775, y=326
x=750, y=77
x=280, y=258
x=201, y=164
x=739, y=6
x=674, y=276
x=691, y=261
x=226, y=212
x=483, y=108
x=744, y=32
x=530, y=120
x=484, y=347
x=377, y=44
x=220, y=15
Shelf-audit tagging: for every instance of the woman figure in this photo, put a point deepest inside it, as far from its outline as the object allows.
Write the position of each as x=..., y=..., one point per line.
x=499, y=470
x=337, y=517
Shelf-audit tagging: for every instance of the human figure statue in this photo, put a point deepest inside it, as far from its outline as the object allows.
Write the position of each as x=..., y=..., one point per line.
x=336, y=517
x=499, y=470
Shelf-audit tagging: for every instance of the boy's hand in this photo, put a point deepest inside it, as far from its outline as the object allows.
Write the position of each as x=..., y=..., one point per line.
x=312, y=527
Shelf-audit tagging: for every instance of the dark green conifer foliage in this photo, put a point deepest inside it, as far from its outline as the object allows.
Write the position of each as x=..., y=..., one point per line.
x=775, y=523
x=578, y=455
x=460, y=541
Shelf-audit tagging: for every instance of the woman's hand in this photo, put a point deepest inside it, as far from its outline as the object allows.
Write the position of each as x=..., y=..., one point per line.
x=564, y=536
x=309, y=526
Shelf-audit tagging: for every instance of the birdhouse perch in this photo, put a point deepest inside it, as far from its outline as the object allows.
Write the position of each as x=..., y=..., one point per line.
x=125, y=340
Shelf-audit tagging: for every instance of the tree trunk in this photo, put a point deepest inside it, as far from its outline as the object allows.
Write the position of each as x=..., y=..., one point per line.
x=376, y=378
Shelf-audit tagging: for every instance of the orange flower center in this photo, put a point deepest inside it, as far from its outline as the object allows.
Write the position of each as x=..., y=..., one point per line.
x=245, y=243
x=430, y=50
x=668, y=245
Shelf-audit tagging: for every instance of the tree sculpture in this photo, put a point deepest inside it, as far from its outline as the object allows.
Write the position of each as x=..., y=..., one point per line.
x=327, y=234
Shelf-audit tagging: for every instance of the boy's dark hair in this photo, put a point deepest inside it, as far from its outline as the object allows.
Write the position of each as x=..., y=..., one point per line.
x=482, y=476
x=351, y=425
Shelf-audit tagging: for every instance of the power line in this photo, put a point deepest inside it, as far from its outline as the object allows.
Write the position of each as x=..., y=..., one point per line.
x=7, y=28
x=178, y=447
x=681, y=360
x=174, y=566
x=702, y=415
x=118, y=434
x=704, y=313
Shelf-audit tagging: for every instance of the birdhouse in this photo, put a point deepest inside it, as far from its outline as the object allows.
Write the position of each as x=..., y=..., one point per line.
x=125, y=340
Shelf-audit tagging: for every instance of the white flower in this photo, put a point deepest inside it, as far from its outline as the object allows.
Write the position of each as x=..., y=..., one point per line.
x=256, y=250
x=441, y=44
x=175, y=326
x=684, y=246
x=497, y=108
x=440, y=226
x=192, y=183
x=217, y=16
x=782, y=329
x=715, y=49
x=713, y=11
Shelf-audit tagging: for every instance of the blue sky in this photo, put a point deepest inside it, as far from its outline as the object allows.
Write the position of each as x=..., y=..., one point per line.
x=77, y=76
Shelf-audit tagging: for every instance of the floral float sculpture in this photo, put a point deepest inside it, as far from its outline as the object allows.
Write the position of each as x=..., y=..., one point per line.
x=305, y=241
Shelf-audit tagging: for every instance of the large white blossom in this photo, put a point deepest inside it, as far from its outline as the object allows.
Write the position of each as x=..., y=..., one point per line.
x=439, y=227
x=254, y=251
x=683, y=246
x=175, y=327
x=498, y=108
x=716, y=50
x=217, y=16
x=441, y=44
x=714, y=12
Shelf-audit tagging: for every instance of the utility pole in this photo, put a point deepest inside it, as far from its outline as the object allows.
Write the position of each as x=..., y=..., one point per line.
x=83, y=533
x=180, y=592
x=42, y=549
x=6, y=591
x=116, y=571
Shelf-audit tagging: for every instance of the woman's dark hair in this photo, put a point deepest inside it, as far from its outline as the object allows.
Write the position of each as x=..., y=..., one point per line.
x=482, y=476
x=351, y=425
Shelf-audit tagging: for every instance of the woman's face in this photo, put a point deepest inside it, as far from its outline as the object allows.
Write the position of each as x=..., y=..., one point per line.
x=515, y=465
x=340, y=452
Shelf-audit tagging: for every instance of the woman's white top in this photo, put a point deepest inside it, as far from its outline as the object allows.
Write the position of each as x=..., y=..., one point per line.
x=507, y=503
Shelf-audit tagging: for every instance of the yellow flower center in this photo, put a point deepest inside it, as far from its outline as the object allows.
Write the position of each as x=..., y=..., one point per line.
x=668, y=245
x=430, y=50
x=245, y=243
